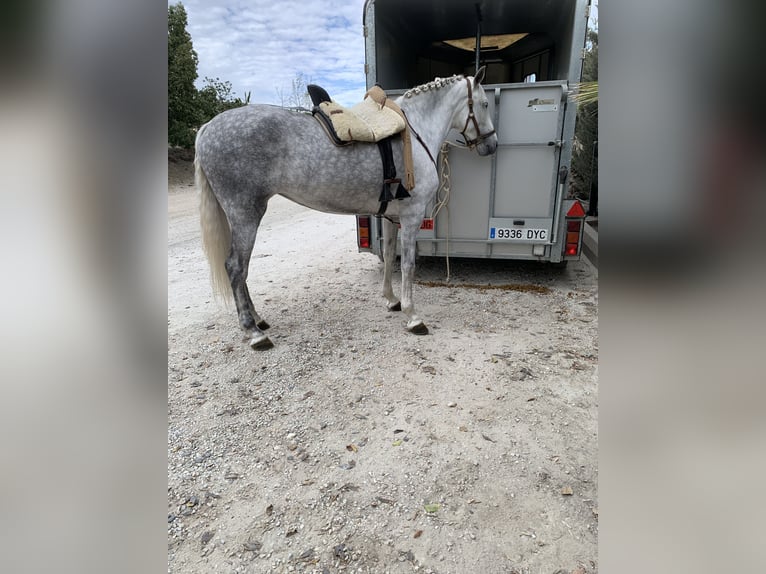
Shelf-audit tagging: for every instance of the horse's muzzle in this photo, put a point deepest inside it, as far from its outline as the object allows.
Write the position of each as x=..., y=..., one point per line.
x=487, y=146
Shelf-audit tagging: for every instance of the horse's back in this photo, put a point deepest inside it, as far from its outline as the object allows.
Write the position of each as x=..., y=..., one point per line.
x=250, y=145
x=251, y=130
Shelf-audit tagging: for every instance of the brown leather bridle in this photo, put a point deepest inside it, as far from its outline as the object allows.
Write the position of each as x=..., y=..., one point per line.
x=480, y=137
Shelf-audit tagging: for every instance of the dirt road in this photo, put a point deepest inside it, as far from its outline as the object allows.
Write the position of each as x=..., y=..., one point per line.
x=354, y=446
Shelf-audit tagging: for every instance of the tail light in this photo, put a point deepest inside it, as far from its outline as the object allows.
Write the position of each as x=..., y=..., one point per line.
x=427, y=224
x=363, y=232
x=575, y=217
x=574, y=229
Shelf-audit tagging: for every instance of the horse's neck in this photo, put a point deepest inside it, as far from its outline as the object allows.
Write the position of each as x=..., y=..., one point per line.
x=432, y=114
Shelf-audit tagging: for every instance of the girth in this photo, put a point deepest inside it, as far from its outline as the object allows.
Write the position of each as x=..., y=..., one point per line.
x=389, y=177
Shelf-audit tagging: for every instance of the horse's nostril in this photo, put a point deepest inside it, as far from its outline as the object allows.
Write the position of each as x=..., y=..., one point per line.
x=488, y=148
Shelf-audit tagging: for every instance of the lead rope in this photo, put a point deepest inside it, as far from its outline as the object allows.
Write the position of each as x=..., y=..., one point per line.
x=442, y=196
x=443, y=193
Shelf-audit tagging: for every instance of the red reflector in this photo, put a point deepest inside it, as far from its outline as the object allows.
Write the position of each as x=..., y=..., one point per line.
x=364, y=222
x=571, y=249
x=364, y=242
x=576, y=210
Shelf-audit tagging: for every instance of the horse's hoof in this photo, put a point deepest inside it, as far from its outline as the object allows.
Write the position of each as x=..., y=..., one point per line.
x=396, y=306
x=262, y=325
x=419, y=329
x=261, y=343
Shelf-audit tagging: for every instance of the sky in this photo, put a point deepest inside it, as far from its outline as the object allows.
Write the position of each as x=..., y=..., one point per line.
x=261, y=46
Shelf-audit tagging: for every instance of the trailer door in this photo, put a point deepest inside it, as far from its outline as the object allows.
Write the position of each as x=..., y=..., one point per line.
x=507, y=205
x=525, y=190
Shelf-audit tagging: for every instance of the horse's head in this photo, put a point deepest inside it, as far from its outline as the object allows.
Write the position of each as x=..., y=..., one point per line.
x=478, y=122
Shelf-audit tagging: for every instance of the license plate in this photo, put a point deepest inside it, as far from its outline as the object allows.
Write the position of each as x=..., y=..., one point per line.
x=518, y=234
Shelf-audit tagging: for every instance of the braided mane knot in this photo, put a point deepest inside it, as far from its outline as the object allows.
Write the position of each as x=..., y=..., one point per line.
x=432, y=85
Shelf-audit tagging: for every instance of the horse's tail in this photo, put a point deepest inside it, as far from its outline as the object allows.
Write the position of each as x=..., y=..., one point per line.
x=216, y=234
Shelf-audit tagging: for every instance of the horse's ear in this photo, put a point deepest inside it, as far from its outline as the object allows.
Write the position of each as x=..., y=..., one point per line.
x=477, y=79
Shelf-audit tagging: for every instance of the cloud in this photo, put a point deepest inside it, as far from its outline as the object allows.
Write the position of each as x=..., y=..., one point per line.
x=261, y=46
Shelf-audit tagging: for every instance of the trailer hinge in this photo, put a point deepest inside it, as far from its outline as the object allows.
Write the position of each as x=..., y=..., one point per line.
x=587, y=12
x=583, y=53
x=364, y=28
x=366, y=69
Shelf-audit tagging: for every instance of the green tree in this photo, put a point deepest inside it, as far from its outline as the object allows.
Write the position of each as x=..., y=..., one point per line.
x=183, y=114
x=216, y=97
x=584, y=160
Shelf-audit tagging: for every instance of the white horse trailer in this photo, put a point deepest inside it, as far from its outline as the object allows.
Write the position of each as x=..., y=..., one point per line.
x=514, y=204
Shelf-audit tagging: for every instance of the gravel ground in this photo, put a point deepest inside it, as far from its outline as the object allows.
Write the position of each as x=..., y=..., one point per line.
x=354, y=446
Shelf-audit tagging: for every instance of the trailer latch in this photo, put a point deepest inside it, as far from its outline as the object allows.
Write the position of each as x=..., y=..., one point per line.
x=556, y=143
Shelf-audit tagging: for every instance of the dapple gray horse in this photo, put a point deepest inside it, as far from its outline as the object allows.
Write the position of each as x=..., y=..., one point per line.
x=246, y=155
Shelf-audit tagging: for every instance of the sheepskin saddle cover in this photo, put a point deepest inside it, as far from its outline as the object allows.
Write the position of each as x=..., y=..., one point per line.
x=371, y=120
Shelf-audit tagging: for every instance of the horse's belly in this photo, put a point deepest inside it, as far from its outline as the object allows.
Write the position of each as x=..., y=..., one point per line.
x=333, y=199
x=349, y=184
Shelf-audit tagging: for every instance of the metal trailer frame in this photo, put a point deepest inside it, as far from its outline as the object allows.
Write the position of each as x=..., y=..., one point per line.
x=465, y=229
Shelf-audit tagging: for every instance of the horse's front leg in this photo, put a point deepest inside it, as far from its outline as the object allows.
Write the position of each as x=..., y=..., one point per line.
x=409, y=231
x=389, y=256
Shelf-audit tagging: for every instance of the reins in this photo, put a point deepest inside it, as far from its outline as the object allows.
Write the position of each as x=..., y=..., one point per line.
x=420, y=139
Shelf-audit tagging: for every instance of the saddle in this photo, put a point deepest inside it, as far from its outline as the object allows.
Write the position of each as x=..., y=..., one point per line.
x=374, y=120
x=371, y=120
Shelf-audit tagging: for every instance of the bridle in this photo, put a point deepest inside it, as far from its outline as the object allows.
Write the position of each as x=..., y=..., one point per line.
x=480, y=137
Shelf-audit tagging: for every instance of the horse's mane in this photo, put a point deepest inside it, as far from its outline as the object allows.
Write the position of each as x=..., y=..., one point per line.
x=434, y=84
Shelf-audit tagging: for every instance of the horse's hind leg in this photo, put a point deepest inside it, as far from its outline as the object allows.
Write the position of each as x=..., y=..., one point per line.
x=389, y=256
x=237, y=264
